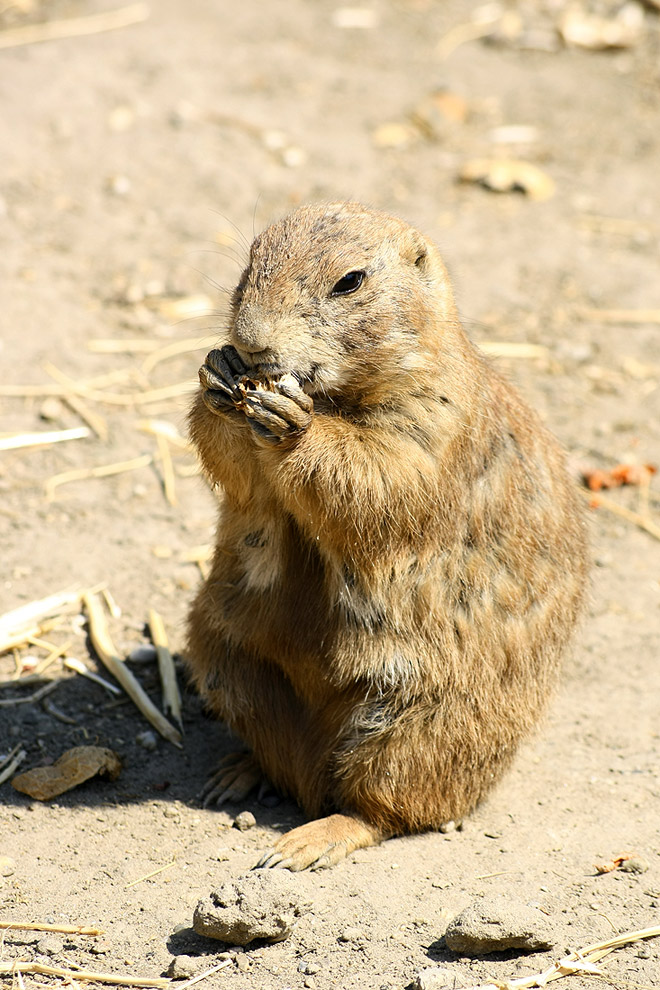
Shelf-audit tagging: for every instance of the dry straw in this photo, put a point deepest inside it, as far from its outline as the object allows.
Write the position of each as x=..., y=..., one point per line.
x=582, y=962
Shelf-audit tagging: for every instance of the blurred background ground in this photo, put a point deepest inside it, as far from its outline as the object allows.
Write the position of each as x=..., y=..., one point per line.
x=135, y=166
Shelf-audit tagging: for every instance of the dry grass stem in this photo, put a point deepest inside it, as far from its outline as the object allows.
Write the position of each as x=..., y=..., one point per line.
x=51, y=708
x=100, y=637
x=145, y=397
x=42, y=644
x=101, y=471
x=188, y=470
x=28, y=680
x=95, y=422
x=11, y=641
x=110, y=603
x=60, y=390
x=74, y=27
x=513, y=349
x=27, y=620
x=460, y=34
x=148, y=876
x=38, y=926
x=612, y=225
x=171, y=695
x=110, y=345
x=582, y=961
x=55, y=653
x=176, y=309
x=175, y=349
x=142, y=395
x=169, y=480
x=162, y=427
x=72, y=663
x=598, y=501
x=203, y=976
x=167, y=392
x=18, y=966
x=621, y=315
x=8, y=767
x=92, y=390
x=43, y=439
x=201, y=556
x=30, y=698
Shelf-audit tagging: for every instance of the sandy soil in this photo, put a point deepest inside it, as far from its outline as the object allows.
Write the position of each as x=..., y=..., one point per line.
x=134, y=166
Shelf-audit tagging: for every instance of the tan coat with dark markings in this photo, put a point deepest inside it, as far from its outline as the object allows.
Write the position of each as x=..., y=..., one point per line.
x=400, y=554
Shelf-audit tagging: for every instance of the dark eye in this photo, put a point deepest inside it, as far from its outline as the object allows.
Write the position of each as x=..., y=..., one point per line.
x=348, y=283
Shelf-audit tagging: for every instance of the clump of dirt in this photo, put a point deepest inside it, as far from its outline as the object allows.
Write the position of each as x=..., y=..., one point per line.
x=262, y=905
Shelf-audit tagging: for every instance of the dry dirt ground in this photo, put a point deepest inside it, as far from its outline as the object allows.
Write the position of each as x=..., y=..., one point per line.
x=134, y=167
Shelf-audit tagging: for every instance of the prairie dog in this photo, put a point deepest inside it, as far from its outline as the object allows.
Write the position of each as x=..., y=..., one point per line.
x=400, y=555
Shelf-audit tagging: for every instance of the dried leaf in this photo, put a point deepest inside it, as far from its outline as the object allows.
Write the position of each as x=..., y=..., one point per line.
x=509, y=175
x=614, y=863
x=73, y=767
x=438, y=112
x=622, y=474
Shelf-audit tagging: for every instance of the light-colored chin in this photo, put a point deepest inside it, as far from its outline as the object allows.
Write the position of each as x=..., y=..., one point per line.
x=325, y=382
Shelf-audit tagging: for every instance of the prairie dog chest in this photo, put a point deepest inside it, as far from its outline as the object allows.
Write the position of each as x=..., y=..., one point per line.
x=257, y=547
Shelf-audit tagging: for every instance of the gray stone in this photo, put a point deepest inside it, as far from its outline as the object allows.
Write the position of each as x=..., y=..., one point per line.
x=185, y=967
x=244, y=820
x=262, y=905
x=636, y=864
x=434, y=978
x=50, y=945
x=7, y=866
x=498, y=926
x=147, y=740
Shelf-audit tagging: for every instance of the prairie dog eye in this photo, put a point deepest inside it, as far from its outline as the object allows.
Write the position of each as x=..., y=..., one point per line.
x=348, y=283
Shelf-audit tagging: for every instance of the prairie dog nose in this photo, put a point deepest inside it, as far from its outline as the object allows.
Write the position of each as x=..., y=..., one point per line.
x=252, y=330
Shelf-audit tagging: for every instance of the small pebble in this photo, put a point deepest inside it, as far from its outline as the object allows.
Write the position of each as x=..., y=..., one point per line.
x=51, y=409
x=143, y=654
x=350, y=934
x=244, y=821
x=185, y=967
x=121, y=118
x=308, y=968
x=7, y=866
x=243, y=963
x=637, y=864
x=99, y=948
x=147, y=740
x=434, y=978
x=118, y=185
x=50, y=945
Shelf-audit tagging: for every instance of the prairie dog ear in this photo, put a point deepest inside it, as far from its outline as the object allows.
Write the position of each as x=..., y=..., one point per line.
x=415, y=249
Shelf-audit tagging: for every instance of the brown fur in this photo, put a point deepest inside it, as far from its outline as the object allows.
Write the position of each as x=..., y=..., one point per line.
x=394, y=583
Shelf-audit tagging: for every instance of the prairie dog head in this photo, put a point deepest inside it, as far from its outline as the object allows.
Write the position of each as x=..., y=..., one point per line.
x=334, y=293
